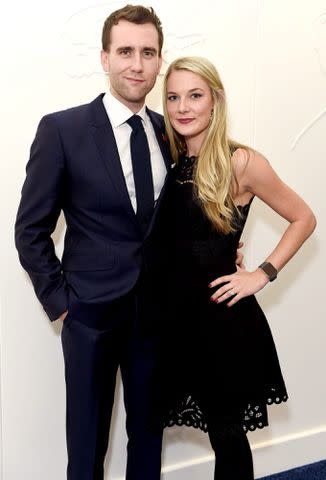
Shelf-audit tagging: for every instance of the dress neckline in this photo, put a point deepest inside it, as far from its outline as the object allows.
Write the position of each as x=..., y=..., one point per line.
x=189, y=159
x=187, y=163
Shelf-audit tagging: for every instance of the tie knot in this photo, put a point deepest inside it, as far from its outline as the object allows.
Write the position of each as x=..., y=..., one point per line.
x=135, y=122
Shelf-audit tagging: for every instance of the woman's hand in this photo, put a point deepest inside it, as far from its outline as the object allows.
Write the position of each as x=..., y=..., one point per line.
x=238, y=285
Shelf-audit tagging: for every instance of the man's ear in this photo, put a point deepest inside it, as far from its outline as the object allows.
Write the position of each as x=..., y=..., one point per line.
x=160, y=61
x=105, y=61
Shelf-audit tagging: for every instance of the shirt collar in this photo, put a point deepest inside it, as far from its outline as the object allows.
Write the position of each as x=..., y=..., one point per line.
x=118, y=113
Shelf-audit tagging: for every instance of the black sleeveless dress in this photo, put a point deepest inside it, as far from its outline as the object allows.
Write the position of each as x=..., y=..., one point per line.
x=217, y=362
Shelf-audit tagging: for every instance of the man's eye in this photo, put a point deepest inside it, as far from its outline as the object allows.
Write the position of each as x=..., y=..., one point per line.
x=124, y=52
x=148, y=53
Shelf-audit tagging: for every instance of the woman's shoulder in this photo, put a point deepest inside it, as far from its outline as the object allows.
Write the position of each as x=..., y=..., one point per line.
x=244, y=159
x=248, y=166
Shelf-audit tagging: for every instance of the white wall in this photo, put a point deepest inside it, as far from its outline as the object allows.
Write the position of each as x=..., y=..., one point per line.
x=272, y=58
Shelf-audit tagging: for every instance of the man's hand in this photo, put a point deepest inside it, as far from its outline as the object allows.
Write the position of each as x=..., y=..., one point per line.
x=63, y=315
x=240, y=257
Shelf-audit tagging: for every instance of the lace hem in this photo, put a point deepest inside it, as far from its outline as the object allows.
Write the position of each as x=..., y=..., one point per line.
x=255, y=415
x=189, y=413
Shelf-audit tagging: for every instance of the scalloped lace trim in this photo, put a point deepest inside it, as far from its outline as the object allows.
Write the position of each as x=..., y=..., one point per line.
x=190, y=414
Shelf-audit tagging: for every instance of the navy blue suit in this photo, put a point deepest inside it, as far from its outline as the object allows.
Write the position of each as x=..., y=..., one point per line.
x=108, y=279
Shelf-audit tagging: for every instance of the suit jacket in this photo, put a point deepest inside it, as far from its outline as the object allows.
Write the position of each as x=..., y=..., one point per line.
x=74, y=166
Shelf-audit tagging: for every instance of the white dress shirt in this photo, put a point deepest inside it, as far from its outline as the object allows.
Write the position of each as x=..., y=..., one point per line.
x=118, y=114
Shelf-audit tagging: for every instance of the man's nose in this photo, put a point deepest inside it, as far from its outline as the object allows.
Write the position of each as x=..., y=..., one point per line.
x=137, y=64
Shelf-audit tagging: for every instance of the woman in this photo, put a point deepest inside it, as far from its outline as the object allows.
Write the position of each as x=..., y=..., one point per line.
x=221, y=369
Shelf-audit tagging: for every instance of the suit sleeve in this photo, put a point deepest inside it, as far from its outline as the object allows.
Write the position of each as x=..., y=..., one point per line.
x=39, y=209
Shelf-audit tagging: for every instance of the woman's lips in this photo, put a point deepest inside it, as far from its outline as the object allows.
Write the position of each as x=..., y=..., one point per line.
x=185, y=121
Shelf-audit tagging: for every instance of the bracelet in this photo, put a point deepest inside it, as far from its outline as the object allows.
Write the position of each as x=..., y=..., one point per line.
x=269, y=270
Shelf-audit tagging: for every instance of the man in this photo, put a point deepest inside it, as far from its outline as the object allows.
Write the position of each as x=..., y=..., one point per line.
x=109, y=178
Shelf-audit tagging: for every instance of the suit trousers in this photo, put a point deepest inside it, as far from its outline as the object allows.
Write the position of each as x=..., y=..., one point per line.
x=97, y=339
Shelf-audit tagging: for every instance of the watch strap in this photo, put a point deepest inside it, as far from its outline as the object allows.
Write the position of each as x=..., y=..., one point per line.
x=269, y=270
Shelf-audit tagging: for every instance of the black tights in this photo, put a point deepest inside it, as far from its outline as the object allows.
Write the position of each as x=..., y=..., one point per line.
x=233, y=459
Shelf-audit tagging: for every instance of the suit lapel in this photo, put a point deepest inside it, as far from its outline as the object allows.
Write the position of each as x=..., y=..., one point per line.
x=109, y=155
x=108, y=152
x=162, y=140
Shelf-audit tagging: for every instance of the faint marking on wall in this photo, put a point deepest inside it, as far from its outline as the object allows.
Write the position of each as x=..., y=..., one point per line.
x=180, y=45
x=319, y=39
x=81, y=37
x=319, y=30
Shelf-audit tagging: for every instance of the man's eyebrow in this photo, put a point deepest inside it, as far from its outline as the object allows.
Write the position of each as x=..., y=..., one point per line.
x=144, y=49
x=150, y=49
x=121, y=49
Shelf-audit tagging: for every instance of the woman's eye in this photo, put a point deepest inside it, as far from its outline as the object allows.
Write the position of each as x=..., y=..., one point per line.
x=172, y=98
x=196, y=95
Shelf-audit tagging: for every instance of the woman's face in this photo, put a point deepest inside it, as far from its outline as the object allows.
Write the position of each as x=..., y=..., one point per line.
x=189, y=105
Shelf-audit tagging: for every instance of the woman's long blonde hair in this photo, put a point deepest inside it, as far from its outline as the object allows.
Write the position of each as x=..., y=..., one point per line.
x=214, y=177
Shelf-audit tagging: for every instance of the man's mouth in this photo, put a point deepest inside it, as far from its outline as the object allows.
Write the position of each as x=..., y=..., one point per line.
x=135, y=80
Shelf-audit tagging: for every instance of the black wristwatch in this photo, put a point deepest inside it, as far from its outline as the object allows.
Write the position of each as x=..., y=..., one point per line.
x=269, y=269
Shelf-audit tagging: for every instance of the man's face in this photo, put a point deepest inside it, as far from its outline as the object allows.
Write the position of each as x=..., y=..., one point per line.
x=132, y=62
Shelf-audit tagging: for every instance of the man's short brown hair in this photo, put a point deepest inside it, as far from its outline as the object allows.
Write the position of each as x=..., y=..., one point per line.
x=135, y=14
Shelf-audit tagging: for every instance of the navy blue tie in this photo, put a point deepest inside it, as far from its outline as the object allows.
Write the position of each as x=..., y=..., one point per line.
x=142, y=171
